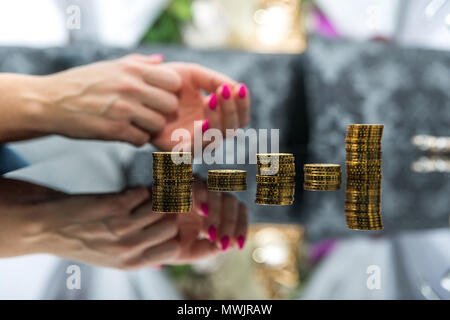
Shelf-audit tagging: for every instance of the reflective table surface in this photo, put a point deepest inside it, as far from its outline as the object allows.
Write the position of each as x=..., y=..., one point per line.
x=87, y=202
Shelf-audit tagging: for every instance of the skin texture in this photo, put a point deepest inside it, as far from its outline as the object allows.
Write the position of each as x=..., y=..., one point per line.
x=114, y=230
x=136, y=99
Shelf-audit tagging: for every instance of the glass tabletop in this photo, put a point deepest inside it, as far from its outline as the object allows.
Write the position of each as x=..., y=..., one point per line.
x=299, y=251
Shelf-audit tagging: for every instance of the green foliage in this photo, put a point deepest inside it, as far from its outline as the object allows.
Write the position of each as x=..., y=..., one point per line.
x=179, y=271
x=168, y=27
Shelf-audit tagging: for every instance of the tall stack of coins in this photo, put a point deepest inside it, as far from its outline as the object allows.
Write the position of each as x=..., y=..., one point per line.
x=173, y=179
x=363, y=183
x=322, y=177
x=275, y=179
x=227, y=180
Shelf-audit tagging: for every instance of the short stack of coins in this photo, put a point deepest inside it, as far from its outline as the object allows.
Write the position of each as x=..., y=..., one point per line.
x=275, y=181
x=363, y=176
x=173, y=180
x=227, y=180
x=322, y=177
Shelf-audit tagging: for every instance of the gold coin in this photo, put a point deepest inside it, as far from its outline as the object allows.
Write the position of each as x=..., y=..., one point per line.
x=274, y=179
x=227, y=171
x=275, y=155
x=363, y=218
x=228, y=178
x=363, y=126
x=275, y=186
x=225, y=189
x=362, y=198
x=325, y=188
x=357, y=156
x=329, y=177
x=272, y=194
x=322, y=166
x=366, y=223
x=362, y=148
x=360, y=168
x=277, y=174
x=273, y=203
x=287, y=165
x=172, y=210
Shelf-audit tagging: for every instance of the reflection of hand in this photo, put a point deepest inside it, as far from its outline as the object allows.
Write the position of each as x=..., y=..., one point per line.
x=227, y=107
x=114, y=230
x=226, y=219
x=127, y=99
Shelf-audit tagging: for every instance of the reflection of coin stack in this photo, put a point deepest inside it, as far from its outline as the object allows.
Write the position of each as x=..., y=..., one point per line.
x=322, y=177
x=275, y=179
x=172, y=187
x=363, y=168
x=227, y=180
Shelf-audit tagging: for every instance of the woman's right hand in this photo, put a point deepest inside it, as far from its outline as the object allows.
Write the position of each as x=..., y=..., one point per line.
x=127, y=99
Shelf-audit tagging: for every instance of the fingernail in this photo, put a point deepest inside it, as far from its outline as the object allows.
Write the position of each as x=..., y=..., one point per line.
x=213, y=102
x=225, y=241
x=242, y=91
x=158, y=56
x=204, y=208
x=159, y=267
x=226, y=92
x=212, y=233
x=241, y=242
x=205, y=126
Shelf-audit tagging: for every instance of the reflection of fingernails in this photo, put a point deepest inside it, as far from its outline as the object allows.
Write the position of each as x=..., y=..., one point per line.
x=204, y=208
x=213, y=102
x=226, y=92
x=212, y=233
x=241, y=242
x=159, y=267
x=158, y=56
x=225, y=241
x=242, y=91
x=205, y=126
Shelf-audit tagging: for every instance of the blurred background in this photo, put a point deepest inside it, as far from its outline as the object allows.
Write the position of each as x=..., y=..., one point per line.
x=255, y=25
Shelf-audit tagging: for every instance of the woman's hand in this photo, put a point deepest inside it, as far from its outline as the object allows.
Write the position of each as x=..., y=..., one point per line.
x=226, y=219
x=127, y=99
x=226, y=107
x=115, y=230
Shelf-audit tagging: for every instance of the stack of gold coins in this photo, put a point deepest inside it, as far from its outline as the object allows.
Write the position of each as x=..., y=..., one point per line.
x=227, y=180
x=363, y=181
x=275, y=181
x=322, y=177
x=173, y=179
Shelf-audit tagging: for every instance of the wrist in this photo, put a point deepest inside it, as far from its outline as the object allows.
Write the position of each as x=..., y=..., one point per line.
x=36, y=101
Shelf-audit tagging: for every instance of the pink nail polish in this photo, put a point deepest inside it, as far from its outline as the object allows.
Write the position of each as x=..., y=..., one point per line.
x=242, y=92
x=205, y=126
x=158, y=56
x=204, y=208
x=212, y=231
x=226, y=92
x=225, y=241
x=241, y=242
x=213, y=102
